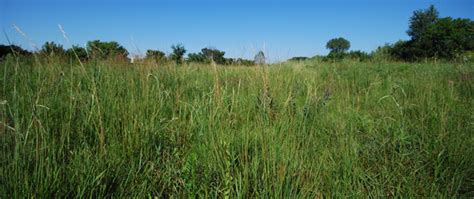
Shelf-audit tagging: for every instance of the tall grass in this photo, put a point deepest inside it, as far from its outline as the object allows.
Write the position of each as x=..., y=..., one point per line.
x=305, y=129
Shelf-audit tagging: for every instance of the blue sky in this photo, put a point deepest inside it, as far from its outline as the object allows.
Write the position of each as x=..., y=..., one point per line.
x=282, y=28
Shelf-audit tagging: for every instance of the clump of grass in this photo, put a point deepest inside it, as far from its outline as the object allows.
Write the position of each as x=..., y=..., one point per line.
x=326, y=130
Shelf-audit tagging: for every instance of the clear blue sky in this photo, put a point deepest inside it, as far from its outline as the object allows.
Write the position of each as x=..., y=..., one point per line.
x=240, y=28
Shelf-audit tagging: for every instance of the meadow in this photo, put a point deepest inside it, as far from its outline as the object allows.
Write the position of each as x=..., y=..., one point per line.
x=305, y=129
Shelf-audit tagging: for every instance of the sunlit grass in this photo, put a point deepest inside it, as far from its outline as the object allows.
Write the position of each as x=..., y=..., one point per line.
x=306, y=129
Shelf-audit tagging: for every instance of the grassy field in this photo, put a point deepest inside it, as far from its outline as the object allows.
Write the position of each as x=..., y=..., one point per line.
x=307, y=129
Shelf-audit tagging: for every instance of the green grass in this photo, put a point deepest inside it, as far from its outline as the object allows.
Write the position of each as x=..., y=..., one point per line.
x=305, y=129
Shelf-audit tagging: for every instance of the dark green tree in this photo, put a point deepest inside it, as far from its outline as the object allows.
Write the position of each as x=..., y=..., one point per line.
x=156, y=55
x=298, y=59
x=433, y=37
x=79, y=51
x=178, y=53
x=405, y=50
x=421, y=21
x=213, y=54
x=197, y=58
x=338, y=45
x=447, y=38
x=103, y=50
x=12, y=49
x=207, y=55
x=52, y=49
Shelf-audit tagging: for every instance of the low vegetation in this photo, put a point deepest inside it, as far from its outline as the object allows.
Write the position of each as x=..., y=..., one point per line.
x=305, y=129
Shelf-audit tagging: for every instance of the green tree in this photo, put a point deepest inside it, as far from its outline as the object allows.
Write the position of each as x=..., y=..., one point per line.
x=420, y=22
x=207, y=55
x=156, y=55
x=298, y=59
x=178, y=53
x=435, y=37
x=52, y=49
x=12, y=49
x=79, y=51
x=447, y=38
x=103, y=50
x=213, y=54
x=197, y=58
x=338, y=45
x=405, y=50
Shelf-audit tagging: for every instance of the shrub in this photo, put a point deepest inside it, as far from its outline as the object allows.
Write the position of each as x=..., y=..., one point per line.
x=104, y=50
x=12, y=49
x=156, y=56
x=178, y=53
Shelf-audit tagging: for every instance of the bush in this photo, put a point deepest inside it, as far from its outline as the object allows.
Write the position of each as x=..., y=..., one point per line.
x=178, y=53
x=156, y=56
x=104, y=50
x=12, y=49
x=52, y=49
x=359, y=55
x=79, y=51
x=207, y=55
x=298, y=58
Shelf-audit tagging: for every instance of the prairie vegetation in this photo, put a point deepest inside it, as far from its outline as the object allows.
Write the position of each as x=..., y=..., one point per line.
x=296, y=129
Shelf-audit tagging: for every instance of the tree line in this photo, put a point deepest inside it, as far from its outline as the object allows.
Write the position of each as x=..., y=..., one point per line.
x=430, y=37
x=102, y=50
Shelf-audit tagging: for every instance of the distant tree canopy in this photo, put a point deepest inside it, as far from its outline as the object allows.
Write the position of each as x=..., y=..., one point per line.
x=298, y=58
x=79, y=51
x=178, y=53
x=260, y=58
x=97, y=49
x=207, y=55
x=421, y=21
x=434, y=37
x=197, y=58
x=52, y=49
x=103, y=50
x=156, y=55
x=213, y=54
x=12, y=49
x=338, y=45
